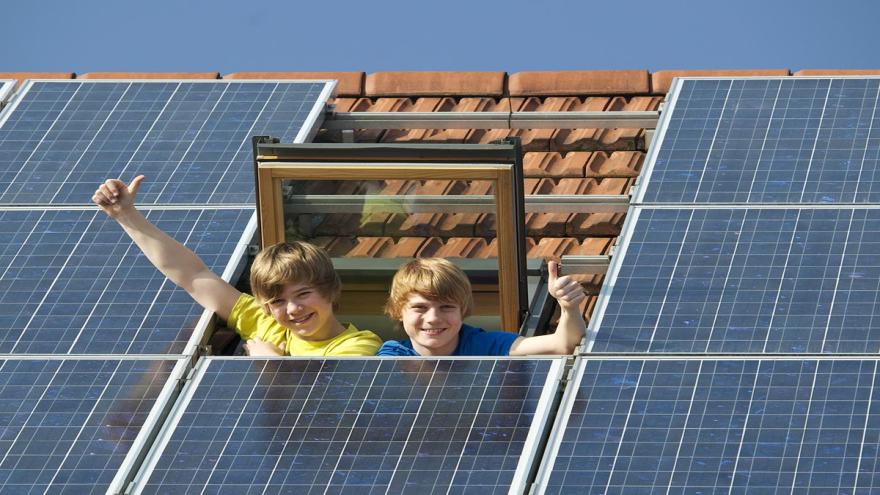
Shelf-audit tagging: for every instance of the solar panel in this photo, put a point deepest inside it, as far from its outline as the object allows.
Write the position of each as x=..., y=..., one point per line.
x=717, y=426
x=71, y=282
x=767, y=140
x=355, y=426
x=731, y=280
x=192, y=139
x=72, y=426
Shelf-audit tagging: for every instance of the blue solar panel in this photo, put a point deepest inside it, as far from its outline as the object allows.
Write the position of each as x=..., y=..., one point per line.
x=725, y=426
x=745, y=280
x=785, y=140
x=72, y=282
x=191, y=138
x=68, y=425
x=356, y=426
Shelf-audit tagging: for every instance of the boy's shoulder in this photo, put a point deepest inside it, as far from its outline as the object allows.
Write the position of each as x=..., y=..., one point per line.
x=475, y=341
x=354, y=342
x=397, y=348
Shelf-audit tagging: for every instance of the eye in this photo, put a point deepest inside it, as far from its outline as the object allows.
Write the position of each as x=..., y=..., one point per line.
x=276, y=302
x=449, y=307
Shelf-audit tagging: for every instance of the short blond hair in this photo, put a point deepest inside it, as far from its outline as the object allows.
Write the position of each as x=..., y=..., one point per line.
x=295, y=262
x=431, y=278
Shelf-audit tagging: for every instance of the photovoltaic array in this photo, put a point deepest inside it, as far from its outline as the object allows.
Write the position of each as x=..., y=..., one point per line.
x=192, y=139
x=718, y=426
x=753, y=231
x=356, y=426
x=727, y=280
x=69, y=425
x=74, y=283
x=768, y=141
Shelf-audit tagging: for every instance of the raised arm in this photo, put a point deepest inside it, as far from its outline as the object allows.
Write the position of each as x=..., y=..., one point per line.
x=571, y=328
x=172, y=258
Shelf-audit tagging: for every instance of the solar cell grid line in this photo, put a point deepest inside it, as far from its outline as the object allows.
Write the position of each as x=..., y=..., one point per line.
x=190, y=138
x=73, y=283
x=76, y=425
x=715, y=425
x=734, y=280
x=356, y=425
x=810, y=140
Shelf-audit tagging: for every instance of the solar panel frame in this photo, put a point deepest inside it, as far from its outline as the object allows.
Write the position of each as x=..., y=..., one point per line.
x=527, y=460
x=762, y=432
x=6, y=87
x=809, y=231
x=311, y=120
x=154, y=416
x=644, y=183
x=230, y=271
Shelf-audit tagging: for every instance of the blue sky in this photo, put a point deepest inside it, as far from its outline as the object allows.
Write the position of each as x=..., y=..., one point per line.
x=230, y=36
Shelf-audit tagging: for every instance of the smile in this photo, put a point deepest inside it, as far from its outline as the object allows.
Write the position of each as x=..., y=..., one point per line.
x=302, y=319
x=433, y=331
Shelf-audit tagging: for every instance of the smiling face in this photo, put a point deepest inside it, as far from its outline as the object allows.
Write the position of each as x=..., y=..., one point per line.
x=305, y=311
x=432, y=326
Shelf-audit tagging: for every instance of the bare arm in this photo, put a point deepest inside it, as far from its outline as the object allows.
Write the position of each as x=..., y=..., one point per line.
x=172, y=258
x=571, y=328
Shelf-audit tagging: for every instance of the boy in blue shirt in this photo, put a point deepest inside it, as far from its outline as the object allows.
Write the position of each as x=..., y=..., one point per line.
x=431, y=296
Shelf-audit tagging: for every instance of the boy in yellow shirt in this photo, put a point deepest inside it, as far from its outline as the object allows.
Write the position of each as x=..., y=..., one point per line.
x=295, y=286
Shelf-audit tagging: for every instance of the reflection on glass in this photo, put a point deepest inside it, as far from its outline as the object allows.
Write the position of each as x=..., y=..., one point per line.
x=371, y=227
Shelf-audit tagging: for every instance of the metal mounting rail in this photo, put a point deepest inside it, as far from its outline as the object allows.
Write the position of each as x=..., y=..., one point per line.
x=585, y=264
x=491, y=120
x=464, y=203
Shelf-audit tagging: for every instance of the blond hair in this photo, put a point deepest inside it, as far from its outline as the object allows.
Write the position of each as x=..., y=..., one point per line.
x=431, y=278
x=295, y=262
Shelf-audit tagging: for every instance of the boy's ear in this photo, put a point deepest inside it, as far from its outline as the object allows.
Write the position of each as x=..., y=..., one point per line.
x=265, y=307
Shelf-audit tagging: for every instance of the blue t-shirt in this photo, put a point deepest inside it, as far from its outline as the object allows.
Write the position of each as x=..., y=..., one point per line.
x=472, y=341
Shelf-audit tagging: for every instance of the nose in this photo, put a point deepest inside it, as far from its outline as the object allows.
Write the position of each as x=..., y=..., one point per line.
x=432, y=315
x=293, y=307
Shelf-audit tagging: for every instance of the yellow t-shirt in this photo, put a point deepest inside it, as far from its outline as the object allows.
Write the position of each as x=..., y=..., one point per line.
x=249, y=320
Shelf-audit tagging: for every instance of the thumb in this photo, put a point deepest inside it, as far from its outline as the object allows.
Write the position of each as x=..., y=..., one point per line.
x=283, y=347
x=553, y=268
x=135, y=184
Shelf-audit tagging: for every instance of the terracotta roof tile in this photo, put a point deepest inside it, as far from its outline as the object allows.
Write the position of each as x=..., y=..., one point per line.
x=371, y=247
x=662, y=80
x=554, y=224
x=435, y=84
x=600, y=224
x=22, y=76
x=462, y=247
x=591, y=82
x=556, y=165
x=538, y=186
x=837, y=72
x=350, y=83
x=150, y=75
x=345, y=104
x=594, y=246
x=552, y=248
x=409, y=135
x=335, y=246
x=616, y=164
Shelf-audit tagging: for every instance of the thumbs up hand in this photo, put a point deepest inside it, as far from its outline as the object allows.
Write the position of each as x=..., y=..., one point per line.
x=116, y=197
x=567, y=291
